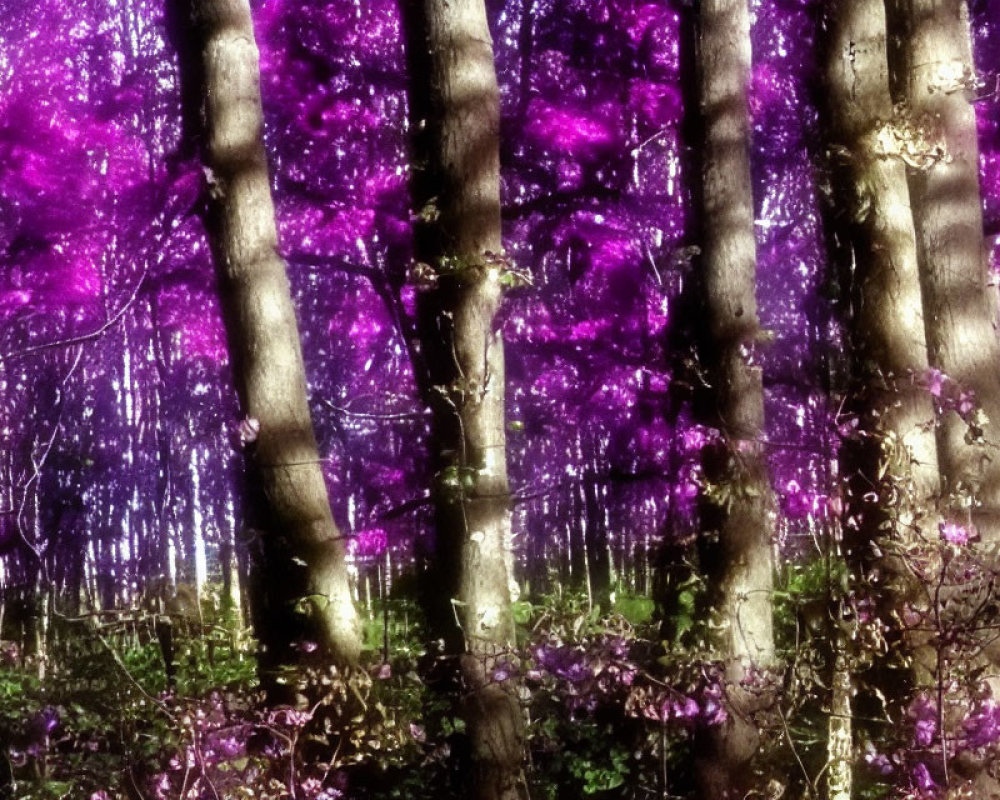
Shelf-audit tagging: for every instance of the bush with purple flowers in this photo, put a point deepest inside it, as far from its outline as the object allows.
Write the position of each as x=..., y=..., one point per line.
x=613, y=710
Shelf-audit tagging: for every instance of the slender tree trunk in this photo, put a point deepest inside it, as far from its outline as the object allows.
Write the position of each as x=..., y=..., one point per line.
x=599, y=578
x=738, y=524
x=302, y=583
x=933, y=73
x=454, y=104
x=840, y=731
x=232, y=598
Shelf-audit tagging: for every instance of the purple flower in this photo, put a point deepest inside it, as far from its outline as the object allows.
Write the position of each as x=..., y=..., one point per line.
x=248, y=430
x=922, y=777
x=162, y=787
x=504, y=669
x=955, y=534
x=686, y=709
x=966, y=404
x=658, y=710
x=49, y=719
x=566, y=663
x=229, y=747
x=935, y=380
x=712, y=710
x=923, y=732
x=183, y=760
x=617, y=646
x=288, y=718
x=38, y=729
x=694, y=439
x=624, y=674
x=982, y=728
x=924, y=715
x=877, y=761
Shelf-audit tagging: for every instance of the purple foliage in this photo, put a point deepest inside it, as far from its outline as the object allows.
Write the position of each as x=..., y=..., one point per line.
x=100, y=230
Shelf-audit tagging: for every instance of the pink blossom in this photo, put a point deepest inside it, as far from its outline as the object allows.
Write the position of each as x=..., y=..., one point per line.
x=289, y=717
x=955, y=534
x=923, y=712
x=249, y=429
x=935, y=380
x=922, y=777
x=966, y=403
x=694, y=438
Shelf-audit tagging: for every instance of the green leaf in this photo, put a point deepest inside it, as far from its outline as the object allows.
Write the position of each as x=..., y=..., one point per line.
x=637, y=609
x=522, y=610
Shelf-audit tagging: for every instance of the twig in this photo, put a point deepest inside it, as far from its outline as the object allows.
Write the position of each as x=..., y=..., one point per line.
x=795, y=752
x=367, y=415
x=85, y=337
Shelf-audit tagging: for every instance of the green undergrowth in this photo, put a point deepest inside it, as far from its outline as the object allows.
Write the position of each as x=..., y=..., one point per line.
x=609, y=706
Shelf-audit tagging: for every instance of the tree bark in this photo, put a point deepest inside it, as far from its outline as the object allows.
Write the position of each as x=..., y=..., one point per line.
x=301, y=585
x=455, y=114
x=886, y=324
x=933, y=73
x=738, y=522
x=890, y=464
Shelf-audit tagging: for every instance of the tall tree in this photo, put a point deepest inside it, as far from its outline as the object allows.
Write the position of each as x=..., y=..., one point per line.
x=890, y=465
x=455, y=113
x=301, y=585
x=738, y=522
x=932, y=71
x=886, y=322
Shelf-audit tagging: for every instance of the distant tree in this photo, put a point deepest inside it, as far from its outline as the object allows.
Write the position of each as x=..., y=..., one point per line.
x=736, y=541
x=456, y=116
x=301, y=590
x=932, y=72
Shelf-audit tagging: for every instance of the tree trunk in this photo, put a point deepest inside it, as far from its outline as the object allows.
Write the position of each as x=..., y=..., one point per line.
x=737, y=523
x=891, y=464
x=599, y=567
x=302, y=590
x=840, y=731
x=933, y=73
x=454, y=106
x=886, y=324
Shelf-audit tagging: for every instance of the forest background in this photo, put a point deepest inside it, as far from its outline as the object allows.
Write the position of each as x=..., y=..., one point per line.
x=130, y=528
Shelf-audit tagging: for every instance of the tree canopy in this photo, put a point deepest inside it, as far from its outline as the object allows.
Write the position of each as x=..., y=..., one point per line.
x=124, y=438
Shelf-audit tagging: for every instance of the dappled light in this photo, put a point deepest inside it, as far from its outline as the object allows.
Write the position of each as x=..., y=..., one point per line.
x=660, y=351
